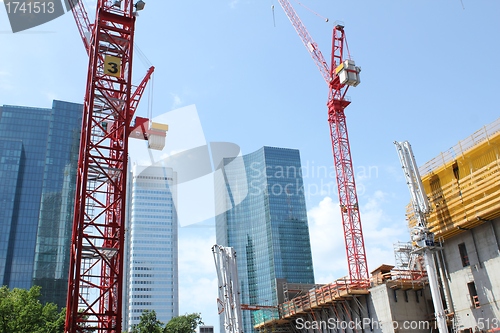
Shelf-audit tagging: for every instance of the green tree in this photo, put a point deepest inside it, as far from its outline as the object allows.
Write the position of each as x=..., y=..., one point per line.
x=22, y=312
x=54, y=319
x=148, y=323
x=184, y=324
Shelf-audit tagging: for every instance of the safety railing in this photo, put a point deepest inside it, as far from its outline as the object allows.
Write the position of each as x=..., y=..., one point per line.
x=460, y=148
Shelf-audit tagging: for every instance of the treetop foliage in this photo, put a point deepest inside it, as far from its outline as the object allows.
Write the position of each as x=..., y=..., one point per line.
x=22, y=312
x=181, y=324
x=184, y=324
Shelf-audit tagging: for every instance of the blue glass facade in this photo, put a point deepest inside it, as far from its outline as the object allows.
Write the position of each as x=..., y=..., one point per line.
x=269, y=229
x=39, y=153
x=10, y=162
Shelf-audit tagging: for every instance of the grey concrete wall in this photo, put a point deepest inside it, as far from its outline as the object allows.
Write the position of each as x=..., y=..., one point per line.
x=400, y=311
x=348, y=316
x=484, y=270
x=380, y=309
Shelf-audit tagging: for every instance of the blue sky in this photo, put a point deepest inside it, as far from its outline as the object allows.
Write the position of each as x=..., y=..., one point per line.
x=429, y=75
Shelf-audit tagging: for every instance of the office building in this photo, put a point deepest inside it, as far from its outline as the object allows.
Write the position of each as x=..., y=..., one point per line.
x=269, y=229
x=206, y=329
x=38, y=159
x=152, y=266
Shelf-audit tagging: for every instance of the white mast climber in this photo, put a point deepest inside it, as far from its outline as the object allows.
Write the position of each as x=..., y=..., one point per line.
x=422, y=238
x=229, y=289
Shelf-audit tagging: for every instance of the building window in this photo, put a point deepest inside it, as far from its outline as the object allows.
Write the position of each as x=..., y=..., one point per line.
x=463, y=255
x=206, y=329
x=473, y=295
x=456, y=171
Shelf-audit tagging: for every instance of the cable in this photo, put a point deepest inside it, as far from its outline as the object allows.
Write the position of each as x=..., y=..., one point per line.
x=150, y=97
x=142, y=56
x=312, y=11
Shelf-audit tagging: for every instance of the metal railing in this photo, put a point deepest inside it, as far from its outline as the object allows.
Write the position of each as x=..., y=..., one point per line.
x=461, y=147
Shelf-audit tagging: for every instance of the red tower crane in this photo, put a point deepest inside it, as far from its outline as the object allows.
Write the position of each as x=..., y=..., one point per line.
x=96, y=256
x=341, y=74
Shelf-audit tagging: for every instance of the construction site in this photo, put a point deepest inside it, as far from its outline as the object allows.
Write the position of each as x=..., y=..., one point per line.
x=445, y=277
x=463, y=192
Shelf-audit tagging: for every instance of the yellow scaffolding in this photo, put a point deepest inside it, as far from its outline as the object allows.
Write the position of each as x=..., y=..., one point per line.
x=463, y=184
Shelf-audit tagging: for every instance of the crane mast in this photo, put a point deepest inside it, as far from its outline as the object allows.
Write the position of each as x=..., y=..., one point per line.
x=229, y=290
x=341, y=74
x=95, y=281
x=422, y=238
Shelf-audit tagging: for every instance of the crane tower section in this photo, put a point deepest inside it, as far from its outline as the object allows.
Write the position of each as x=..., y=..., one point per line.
x=229, y=290
x=339, y=76
x=96, y=254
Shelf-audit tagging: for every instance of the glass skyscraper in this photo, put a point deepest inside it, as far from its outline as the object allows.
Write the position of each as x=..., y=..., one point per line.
x=38, y=159
x=152, y=253
x=269, y=229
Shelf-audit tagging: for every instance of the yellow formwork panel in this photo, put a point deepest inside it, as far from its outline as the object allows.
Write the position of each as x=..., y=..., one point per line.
x=463, y=184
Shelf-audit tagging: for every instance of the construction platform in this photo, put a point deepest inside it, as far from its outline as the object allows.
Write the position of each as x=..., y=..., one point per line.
x=316, y=298
x=320, y=297
x=462, y=184
x=338, y=299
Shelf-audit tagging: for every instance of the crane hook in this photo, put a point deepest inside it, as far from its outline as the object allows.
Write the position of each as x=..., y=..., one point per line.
x=274, y=20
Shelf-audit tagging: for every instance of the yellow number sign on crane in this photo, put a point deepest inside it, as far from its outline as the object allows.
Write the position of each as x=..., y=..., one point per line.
x=112, y=65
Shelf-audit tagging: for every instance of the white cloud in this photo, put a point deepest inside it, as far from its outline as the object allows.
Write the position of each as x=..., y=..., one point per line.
x=233, y=3
x=327, y=241
x=197, y=276
x=177, y=101
x=50, y=95
x=327, y=237
x=199, y=296
x=379, y=231
x=5, y=78
x=196, y=255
